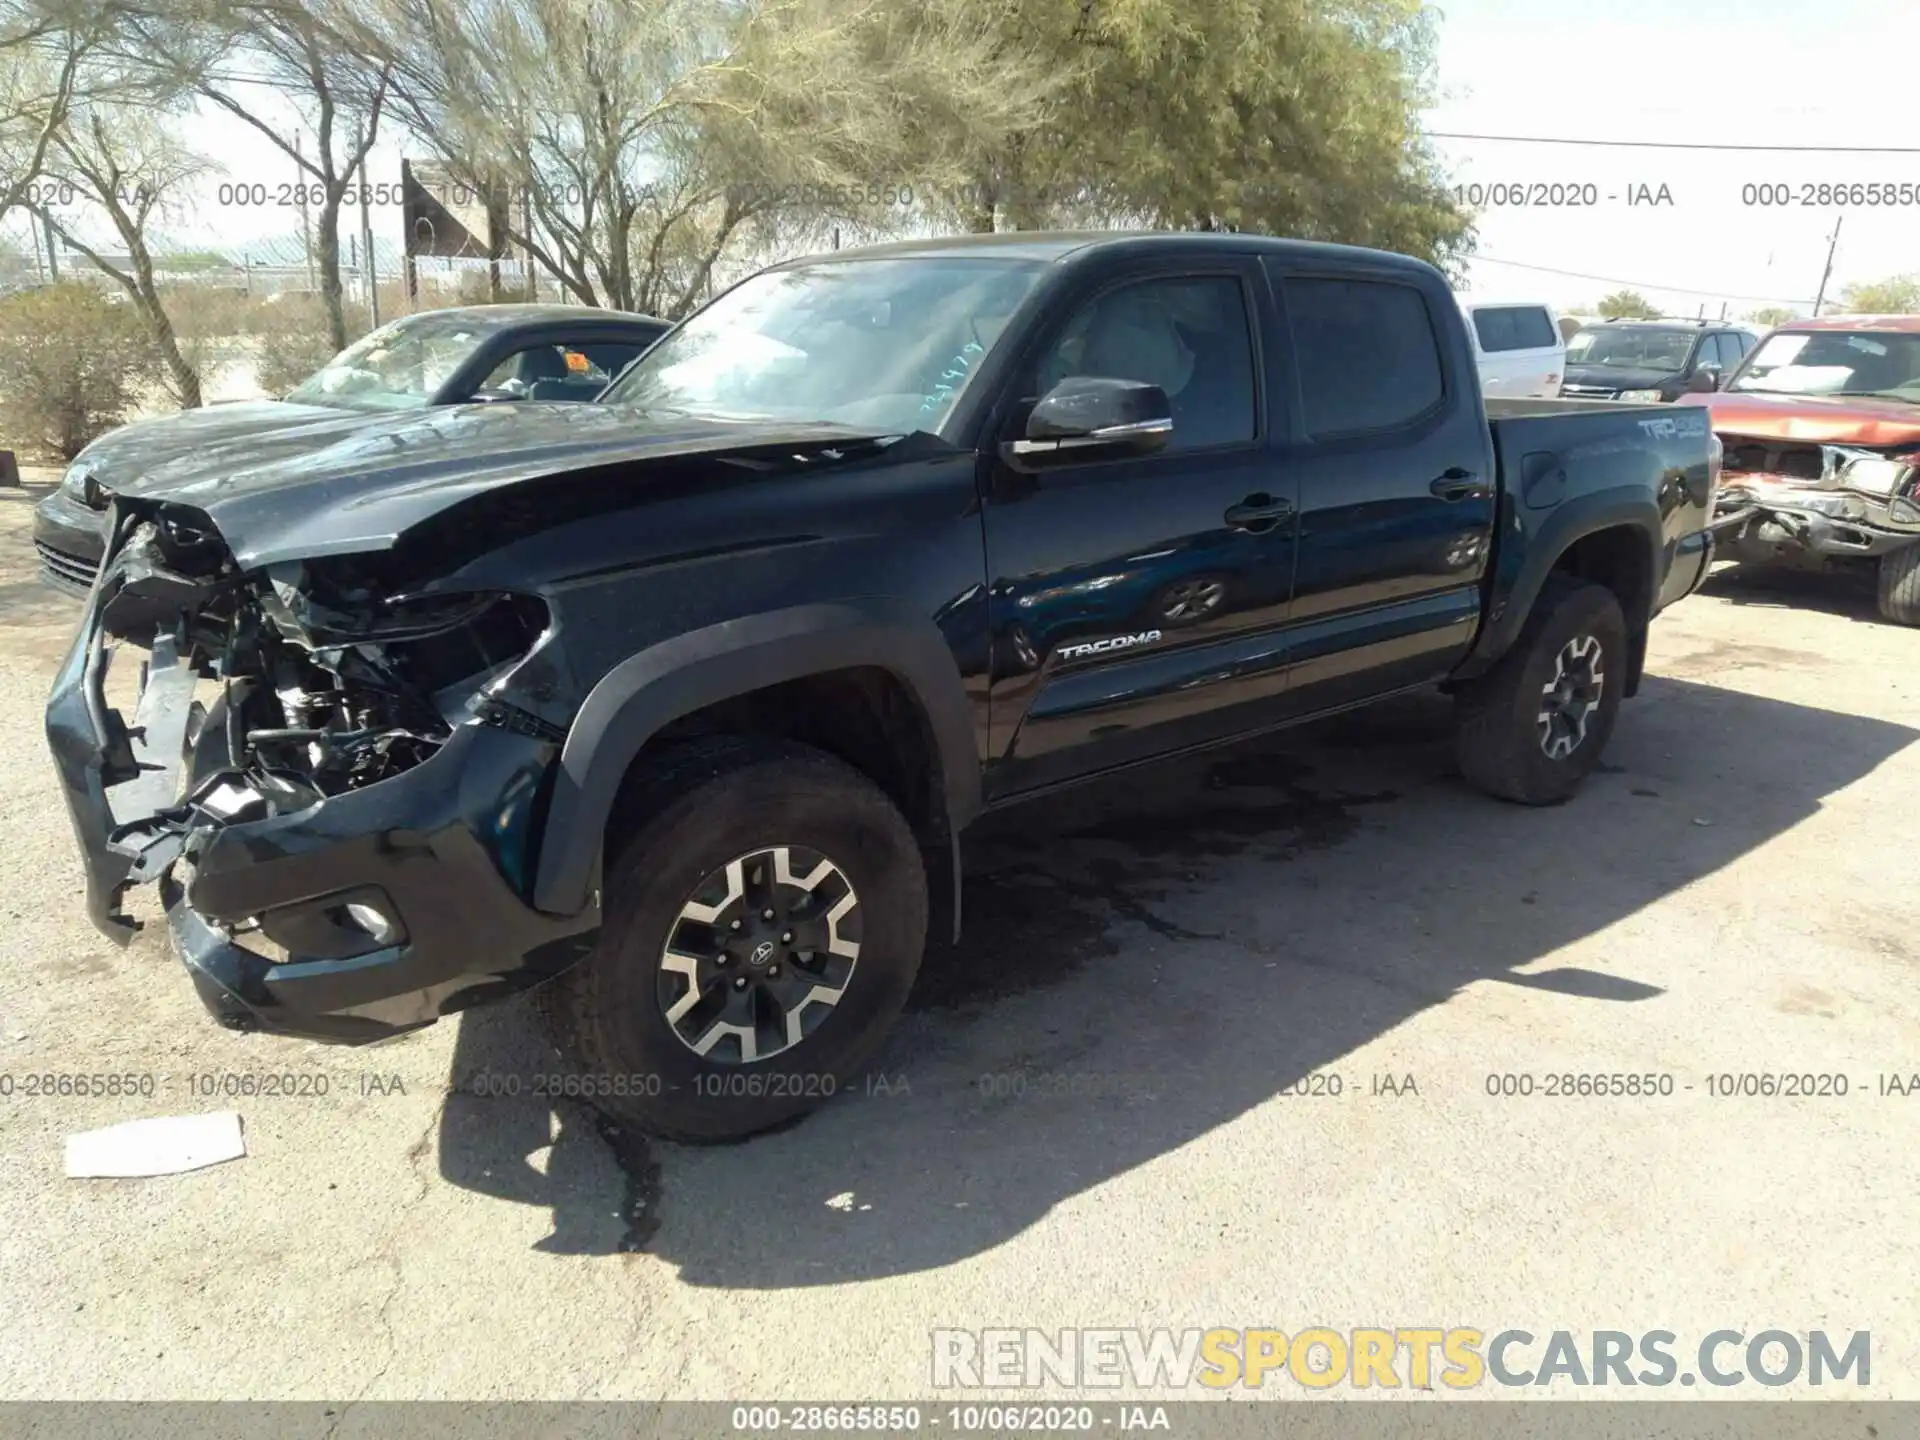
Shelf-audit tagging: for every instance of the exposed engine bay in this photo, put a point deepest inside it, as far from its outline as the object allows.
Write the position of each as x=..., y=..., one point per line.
x=1782, y=500
x=320, y=684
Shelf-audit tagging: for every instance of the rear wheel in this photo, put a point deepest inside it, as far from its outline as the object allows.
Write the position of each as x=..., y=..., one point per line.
x=1532, y=728
x=1900, y=586
x=763, y=926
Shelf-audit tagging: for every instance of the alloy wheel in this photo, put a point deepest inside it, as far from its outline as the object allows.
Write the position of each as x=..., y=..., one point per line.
x=759, y=954
x=1568, y=700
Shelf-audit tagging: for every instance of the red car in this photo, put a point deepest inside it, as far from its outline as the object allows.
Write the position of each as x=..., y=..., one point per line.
x=1821, y=430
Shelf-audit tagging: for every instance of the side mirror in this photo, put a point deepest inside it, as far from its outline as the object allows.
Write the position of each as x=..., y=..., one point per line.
x=1703, y=379
x=1087, y=417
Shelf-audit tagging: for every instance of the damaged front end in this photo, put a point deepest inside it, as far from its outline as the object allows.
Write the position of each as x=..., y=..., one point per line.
x=1782, y=501
x=337, y=786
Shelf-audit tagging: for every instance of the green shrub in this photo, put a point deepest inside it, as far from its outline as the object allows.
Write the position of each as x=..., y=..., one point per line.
x=72, y=361
x=293, y=342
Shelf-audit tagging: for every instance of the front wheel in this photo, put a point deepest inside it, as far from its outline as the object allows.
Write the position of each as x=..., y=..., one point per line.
x=1900, y=586
x=764, y=923
x=1532, y=728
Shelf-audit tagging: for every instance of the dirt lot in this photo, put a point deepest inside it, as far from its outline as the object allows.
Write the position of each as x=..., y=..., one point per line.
x=1092, y=1115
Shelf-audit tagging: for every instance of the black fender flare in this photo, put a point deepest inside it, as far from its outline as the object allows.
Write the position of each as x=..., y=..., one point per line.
x=1617, y=507
x=638, y=697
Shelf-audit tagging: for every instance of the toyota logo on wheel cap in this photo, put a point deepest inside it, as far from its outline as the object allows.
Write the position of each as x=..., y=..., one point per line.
x=762, y=953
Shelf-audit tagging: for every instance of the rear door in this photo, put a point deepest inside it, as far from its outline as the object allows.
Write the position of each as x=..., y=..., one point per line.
x=1395, y=468
x=1136, y=602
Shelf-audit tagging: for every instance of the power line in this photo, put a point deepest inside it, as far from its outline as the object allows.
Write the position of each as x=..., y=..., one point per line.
x=1639, y=284
x=1678, y=144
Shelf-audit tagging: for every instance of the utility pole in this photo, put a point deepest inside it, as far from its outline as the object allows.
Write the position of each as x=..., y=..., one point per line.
x=366, y=229
x=1832, y=241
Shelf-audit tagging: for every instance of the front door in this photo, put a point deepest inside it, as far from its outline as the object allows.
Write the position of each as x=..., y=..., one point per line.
x=1136, y=603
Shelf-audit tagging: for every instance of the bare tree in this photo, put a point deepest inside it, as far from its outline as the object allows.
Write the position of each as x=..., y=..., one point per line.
x=642, y=141
x=123, y=162
x=243, y=56
x=41, y=61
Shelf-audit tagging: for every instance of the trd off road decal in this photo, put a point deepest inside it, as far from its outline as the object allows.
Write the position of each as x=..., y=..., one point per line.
x=1101, y=647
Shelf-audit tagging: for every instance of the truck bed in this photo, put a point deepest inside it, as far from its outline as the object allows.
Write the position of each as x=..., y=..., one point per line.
x=1566, y=463
x=1512, y=408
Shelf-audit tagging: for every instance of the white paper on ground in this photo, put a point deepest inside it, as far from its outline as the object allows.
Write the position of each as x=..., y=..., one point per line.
x=164, y=1145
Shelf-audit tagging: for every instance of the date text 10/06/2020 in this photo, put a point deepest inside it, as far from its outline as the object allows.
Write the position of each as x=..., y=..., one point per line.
x=1560, y=194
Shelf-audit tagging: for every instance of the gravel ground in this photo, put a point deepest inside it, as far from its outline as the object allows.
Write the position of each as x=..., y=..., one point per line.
x=1166, y=963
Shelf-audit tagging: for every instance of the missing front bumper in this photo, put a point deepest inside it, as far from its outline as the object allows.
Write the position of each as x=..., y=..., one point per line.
x=1760, y=531
x=448, y=847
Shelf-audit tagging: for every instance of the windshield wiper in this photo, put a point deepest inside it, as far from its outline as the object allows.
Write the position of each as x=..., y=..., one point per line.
x=1905, y=397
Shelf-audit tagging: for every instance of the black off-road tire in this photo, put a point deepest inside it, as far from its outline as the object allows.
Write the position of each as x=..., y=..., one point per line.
x=704, y=804
x=1900, y=585
x=1498, y=736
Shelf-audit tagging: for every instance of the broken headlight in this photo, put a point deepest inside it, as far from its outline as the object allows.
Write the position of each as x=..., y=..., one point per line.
x=1875, y=477
x=1846, y=468
x=341, y=696
x=79, y=483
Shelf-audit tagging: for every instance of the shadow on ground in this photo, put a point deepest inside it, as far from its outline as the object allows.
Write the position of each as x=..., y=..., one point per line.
x=1846, y=590
x=1151, y=957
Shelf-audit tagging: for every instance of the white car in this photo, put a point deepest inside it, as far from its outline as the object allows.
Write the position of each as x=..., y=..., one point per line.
x=1518, y=347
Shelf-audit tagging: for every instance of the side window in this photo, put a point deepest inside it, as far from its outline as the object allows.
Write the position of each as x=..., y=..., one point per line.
x=1730, y=351
x=1515, y=327
x=609, y=358
x=1189, y=336
x=1496, y=330
x=1535, y=328
x=548, y=372
x=1367, y=354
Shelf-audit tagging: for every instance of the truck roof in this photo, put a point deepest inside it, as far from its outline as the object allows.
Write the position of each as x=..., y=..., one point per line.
x=1063, y=245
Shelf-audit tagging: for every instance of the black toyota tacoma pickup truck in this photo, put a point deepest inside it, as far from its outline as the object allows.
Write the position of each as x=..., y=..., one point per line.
x=680, y=699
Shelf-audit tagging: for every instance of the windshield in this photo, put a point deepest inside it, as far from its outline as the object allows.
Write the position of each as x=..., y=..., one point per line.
x=1835, y=362
x=885, y=345
x=397, y=367
x=1632, y=349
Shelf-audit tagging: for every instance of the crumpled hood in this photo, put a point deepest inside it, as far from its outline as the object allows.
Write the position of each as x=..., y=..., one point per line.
x=1814, y=419
x=285, y=497
x=1613, y=377
x=210, y=436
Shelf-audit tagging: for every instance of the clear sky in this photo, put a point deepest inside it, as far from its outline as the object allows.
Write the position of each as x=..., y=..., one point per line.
x=1699, y=72
x=1742, y=72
